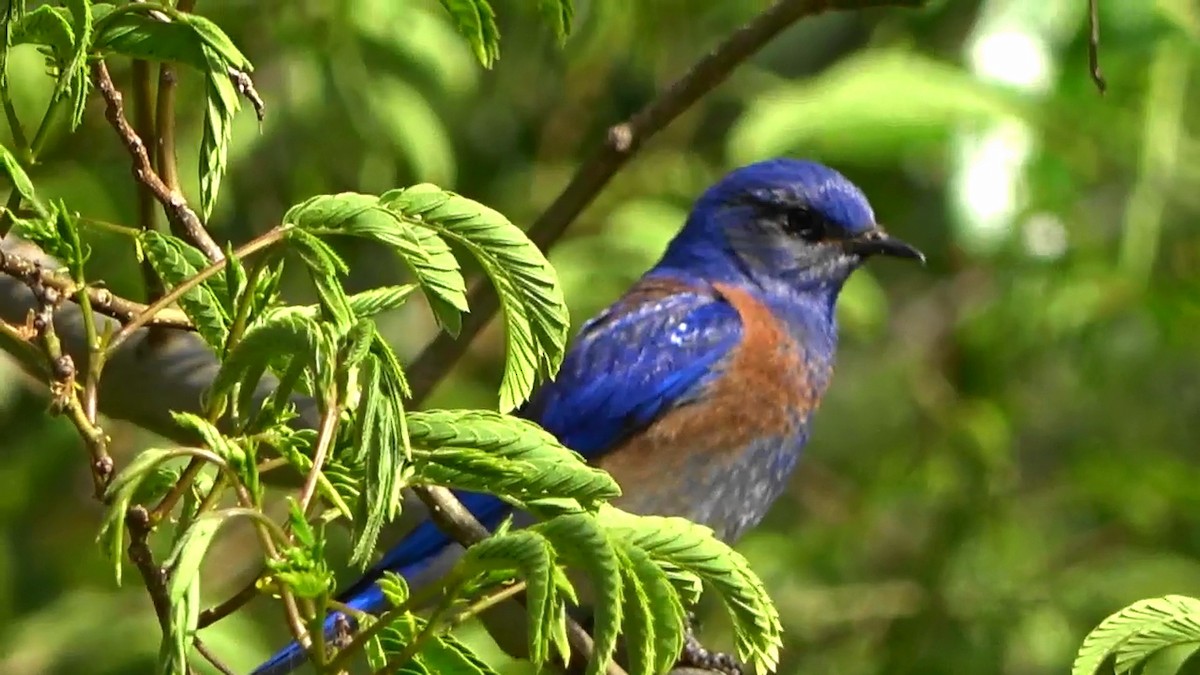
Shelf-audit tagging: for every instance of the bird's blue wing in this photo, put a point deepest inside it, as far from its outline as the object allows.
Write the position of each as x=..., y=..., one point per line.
x=652, y=350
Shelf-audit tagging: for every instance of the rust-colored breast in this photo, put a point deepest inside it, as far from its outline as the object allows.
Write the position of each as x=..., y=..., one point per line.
x=762, y=391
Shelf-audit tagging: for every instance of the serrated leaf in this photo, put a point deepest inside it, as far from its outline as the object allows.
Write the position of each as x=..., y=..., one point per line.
x=212, y=437
x=49, y=26
x=221, y=106
x=276, y=341
x=202, y=304
x=217, y=40
x=502, y=454
x=73, y=78
x=476, y=21
x=384, y=445
x=530, y=554
x=654, y=614
x=693, y=548
x=423, y=252
x=559, y=14
x=140, y=36
x=579, y=539
x=1138, y=631
x=325, y=268
x=535, y=314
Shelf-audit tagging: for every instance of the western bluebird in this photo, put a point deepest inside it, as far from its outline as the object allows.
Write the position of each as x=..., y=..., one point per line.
x=696, y=389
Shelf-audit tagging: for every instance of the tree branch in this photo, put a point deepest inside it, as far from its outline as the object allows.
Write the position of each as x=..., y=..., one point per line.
x=102, y=300
x=181, y=215
x=621, y=142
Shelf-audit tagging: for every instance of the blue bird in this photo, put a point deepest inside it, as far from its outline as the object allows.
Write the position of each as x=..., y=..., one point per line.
x=696, y=389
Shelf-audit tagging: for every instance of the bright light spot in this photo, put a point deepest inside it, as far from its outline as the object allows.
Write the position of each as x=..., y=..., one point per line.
x=1015, y=57
x=1045, y=237
x=987, y=188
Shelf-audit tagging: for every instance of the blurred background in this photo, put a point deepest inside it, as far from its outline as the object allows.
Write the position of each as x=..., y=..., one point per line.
x=1007, y=454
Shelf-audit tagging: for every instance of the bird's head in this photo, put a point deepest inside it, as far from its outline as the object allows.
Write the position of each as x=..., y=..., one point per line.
x=783, y=221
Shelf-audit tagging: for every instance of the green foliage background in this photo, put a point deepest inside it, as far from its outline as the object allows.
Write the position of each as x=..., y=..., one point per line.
x=1007, y=453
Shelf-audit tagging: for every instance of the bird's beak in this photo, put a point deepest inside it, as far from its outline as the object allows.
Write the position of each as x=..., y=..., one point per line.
x=878, y=242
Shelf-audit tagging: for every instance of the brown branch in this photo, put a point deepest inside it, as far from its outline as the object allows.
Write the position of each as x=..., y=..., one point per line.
x=180, y=214
x=330, y=416
x=622, y=141
x=1094, y=46
x=101, y=299
x=212, y=658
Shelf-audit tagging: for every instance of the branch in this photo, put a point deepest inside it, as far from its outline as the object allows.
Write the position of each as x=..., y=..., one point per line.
x=1094, y=46
x=621, y=142
x=173, y=202
x=102, y=300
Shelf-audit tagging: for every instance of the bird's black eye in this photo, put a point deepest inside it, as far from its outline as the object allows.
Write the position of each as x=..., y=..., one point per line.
x=804, y=224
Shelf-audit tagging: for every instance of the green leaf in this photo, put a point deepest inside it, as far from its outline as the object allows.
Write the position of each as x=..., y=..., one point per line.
x=168, y=257
x=212, y=437
x=222, y=104
x=655, y=617
x=278, y=340
x=49, y=26
x=530, y=554
x=73, y=80
x=559, y=14
x=477, y=22
x=683, y=544
x=18, y=177
x=325, y=268
x=141, y=36
x=1138, y=632
x=383, y=445
x=425, y=254
x=535, y=313
x=501, y=454
x=119, y=496
x=183, y=589
x=579, y=539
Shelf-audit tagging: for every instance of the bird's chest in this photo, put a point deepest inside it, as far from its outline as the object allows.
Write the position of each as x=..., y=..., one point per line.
x=725, y=456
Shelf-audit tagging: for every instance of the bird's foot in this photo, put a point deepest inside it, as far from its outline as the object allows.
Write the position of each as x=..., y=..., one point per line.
x=695, y=655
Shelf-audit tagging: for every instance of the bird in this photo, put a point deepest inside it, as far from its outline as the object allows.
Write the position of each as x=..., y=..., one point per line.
x=696, y=389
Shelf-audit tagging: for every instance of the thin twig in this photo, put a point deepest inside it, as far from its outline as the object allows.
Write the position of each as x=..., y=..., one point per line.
x=212, y=658
x=235, y=602
x=178, y=211
x=147, y=212
x=325, y=434
x=101, y=299
x=621, y=142
x=253, y=246
x=1094, y=45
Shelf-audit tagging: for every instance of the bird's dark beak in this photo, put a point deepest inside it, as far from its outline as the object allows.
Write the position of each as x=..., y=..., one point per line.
x=878, y=242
